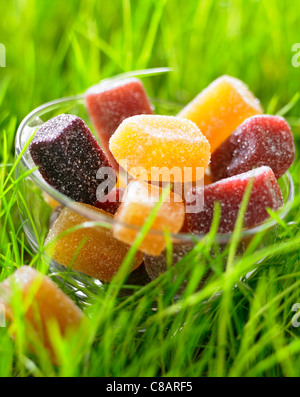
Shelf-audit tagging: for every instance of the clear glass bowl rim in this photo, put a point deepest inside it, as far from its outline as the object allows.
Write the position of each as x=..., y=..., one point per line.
x=95, y=216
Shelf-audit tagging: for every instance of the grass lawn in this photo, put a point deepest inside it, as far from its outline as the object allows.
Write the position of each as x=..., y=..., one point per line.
x=55, y=49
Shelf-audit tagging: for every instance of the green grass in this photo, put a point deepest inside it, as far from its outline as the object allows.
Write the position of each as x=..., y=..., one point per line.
x=55, y=49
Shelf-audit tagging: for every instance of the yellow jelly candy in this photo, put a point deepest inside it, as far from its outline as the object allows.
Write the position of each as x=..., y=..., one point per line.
x=123, y=179
x=220, y=108
x=138, y=201
x=160, y=148
x=90, y=250
x=44, y=303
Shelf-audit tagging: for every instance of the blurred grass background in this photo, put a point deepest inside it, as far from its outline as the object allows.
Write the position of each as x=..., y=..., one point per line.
x=56, y=49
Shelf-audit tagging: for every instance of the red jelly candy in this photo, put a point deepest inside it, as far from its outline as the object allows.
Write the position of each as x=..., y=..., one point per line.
x=69, y=157
x=111, y=202
x=259, y=140
x=112, y=102
x=229, y=192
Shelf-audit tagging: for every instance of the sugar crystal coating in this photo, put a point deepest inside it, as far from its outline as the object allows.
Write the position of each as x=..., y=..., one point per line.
x=146, y=144
x=111, y=102
x=259, y=140
x=90, y=250
x=230, y=192
x=220, y=108
x=138, y=201
x=69, y=157
x=47, y=303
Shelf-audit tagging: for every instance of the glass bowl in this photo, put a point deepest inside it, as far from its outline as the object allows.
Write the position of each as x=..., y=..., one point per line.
x=36, y=196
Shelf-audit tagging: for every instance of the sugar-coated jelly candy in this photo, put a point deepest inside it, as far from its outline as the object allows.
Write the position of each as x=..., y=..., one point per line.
x=156, y=265
x=138, y=201
x=259, y=140
x=69, y=158
x=44, y=303
x=220, y=108
x=229, y=192
x=111, y=102
x=138, y=276
x=111, y=202
x=90, y=250
x=123, y=179
x=160, y=148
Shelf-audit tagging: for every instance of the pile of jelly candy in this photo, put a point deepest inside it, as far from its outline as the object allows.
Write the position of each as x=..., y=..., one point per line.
x=221, y=137
x=45, y=305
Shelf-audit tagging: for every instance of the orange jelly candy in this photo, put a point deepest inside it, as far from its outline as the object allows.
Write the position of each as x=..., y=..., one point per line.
x=90, y=250
x=44, y=303
x=160, y=148
x=138, y=201
x=220, y=108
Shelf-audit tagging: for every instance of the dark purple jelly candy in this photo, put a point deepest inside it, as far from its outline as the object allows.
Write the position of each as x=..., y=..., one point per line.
x=156, y=265
x=111, y=202
x=69, y=158
x=259, y=140
x=229, y=192
x=138, y=276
